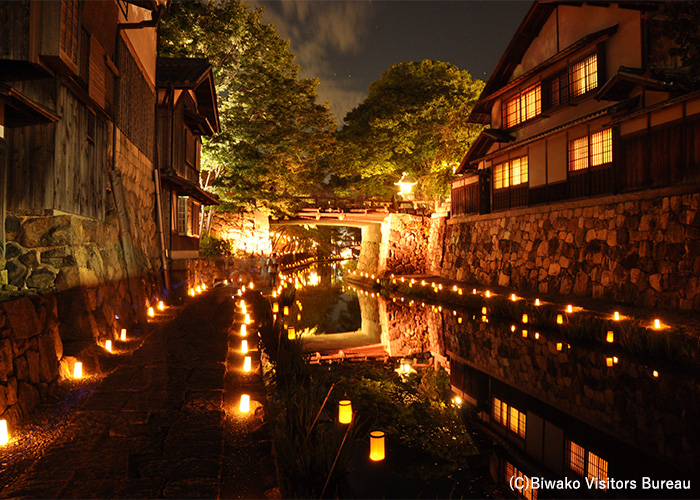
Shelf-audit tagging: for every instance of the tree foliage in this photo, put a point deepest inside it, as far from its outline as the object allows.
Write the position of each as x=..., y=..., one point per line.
x=274, y=135
x=414, y=120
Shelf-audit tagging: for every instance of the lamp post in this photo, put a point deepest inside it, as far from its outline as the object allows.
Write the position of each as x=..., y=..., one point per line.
x=406, y=184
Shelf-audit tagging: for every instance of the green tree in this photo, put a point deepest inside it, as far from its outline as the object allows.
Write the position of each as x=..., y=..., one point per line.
x=413, y=120
x=275, y=136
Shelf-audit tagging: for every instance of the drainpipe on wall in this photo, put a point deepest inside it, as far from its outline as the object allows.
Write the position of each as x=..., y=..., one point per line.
x=159, y=203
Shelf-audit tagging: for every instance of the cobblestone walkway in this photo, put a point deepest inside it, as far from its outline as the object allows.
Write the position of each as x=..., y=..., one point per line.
x=156, y=426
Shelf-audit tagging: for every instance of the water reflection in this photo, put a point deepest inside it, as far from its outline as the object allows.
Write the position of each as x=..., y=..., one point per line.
x=589, y=412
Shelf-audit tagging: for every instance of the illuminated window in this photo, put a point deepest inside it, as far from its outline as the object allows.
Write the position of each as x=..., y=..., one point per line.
x=523, y=106
x=509, y=417
x=526, y=492
x=577, y=458
x=510, y=173
x=590, y=151
x=584, y=76
x=188, y=216
x=597, y=467
x=182, y=215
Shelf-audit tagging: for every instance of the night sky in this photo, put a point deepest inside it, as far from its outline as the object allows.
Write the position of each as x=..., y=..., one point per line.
x=349, y=44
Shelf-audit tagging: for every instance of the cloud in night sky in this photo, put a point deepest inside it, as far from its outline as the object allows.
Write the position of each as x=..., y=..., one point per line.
x=321, y=32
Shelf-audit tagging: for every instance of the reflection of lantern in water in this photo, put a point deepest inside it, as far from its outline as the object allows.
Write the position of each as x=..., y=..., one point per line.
x=376, y=446
x=244, y=347
x=344, y=411
x=247, y=363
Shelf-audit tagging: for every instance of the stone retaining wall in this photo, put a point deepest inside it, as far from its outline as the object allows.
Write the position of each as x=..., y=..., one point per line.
x=630, y=249
x=405, y=245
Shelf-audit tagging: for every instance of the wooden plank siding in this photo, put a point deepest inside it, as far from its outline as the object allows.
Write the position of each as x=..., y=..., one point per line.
x=14, y=30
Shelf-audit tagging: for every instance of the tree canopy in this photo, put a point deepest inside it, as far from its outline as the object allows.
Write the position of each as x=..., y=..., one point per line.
x=413, y=120
x=275, y=136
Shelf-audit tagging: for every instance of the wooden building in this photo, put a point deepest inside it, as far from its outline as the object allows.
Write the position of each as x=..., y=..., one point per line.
x=584, y=102
x=186, y=111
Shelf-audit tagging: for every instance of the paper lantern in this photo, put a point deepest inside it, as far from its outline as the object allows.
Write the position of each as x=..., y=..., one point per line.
x=560, y=319
x=513, y=297
x=161, y=305
x=524, y=333
x=246, y=320
x=198, y=289
x=559, y=346
x=4, y=435
x=244, y=346
x=569, y=308
x=525, y=318
x=151, y=312
x=108, y=345
x=537, y=302
x=244, y=309
x=291, y=333
x=655, y=374
x=376, y=446
x=245, y=403
x=122, y=336
x=657, y=324
x=247, y=363
x=344, y=411
x=78, y=370
x=244, y=332
x=286, y=311
x=459, y=320
x=191, y=292
x=484, y=310
x=610, y=337
x=275, y=307
x=609, y=361
x=488, y=293
x=616, y=316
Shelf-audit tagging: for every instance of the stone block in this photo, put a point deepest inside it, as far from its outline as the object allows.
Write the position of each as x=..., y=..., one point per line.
x=655, y=282
x=16, y=273
x=21, y=317
x=41, y=278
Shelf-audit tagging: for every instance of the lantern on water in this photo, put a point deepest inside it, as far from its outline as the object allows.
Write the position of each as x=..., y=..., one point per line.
x=4, y=435
x=484, y=310
x=569, y=308
x=459, y=320
x=245, y=403
x=376, y=446
x=198, y=289
x=122, y=336
x=247, y=363
x=524, y=333
x=488, y=293
x=246, y=320
x=244, y=310
x=609, y=361
x=655, y=374
x=559, y=346
x=244, y=346
x=513, y=297
x=344, y=411
x=191, y=292
x=78, y=370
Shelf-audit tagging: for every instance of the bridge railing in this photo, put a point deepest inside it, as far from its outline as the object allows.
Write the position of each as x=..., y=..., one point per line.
x=327, y=204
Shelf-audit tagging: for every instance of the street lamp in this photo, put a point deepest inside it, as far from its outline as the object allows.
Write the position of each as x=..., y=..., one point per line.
x=406, y=184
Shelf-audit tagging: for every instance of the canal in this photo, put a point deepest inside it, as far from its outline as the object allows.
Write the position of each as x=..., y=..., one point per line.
x=565, y=408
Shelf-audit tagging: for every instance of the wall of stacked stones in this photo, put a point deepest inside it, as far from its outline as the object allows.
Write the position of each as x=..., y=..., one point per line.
x=406, y=248
x=630, y=249
x=404, y=327
x=248, y=230
x=620, y=400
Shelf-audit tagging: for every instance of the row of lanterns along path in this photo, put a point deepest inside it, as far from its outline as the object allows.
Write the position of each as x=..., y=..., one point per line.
x=377, y=448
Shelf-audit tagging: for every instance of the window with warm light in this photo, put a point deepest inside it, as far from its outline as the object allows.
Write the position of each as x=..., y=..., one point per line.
x=510, y=173
x=509, y=417
x=510, y=471
x=523, y=106
x=584, y=76
x=590, y=151
x=576, y=458
x=597, y=467
x=586, y=463
x=188, y=216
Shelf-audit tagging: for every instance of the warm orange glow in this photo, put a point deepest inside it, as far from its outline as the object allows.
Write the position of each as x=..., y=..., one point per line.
x=484, y=310
x=344, y=411
x=609, y=361
x=615, y=359
x=191, y=292
x=616, y=316
x=252, y=285
x=245, y=403
x=246, y=320
x=198, y=289
x=161, y=305
x=525, y=318
x=122, y=336
x=524, y=333
x=537, y=335
x=484, y=319
x=204, y=286
x=286, y=310
x=244, y=347
x=513, y=297
x=474, y=291
x=291, y=333
x=275, y=307
x=376, y=446
x=247, y=363
x=108, y=345
x=244, y=310
x=655, y=374
x=459, y=320
x=569, y=308
x=244, y=331
x=560, y=319
x=151, y=312
x=4, y=435
x=657, y=324
x=488, y=293
x=512, y=328
x=299, y=317
x=460, y=292
x=559, y=346
x=610, y=337
x=78, y=370
x=537, y=302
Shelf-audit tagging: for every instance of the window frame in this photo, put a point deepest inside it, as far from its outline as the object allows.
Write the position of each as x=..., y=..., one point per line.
x=509, y=417
x=582, y=151
x=518, y=105
x=588, y=464
x=501, y=181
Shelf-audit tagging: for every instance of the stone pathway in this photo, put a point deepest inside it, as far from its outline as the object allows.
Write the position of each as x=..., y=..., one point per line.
x=158, y=425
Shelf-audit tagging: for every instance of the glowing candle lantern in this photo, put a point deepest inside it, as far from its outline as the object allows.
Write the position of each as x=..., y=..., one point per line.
x=512, y=328
x=473, y=291
x=191, y=292
x=161, y=305
x=78, y=370
x=243, y=307
x=559, y=346
x=291, y=333
x=198, y=289
x=151, y=312
x=244, y=347
x=299, y=317
x=616, y=316
x=484, y=310
x=376, y=446
x=247, y=363
x=615, y=360
x=525, y=318
x=537, y=302
x=275, y=307
x=609, y=361
x=459, y=320
x=286, y=310
x=569, y=308
x=537, y=335
x=4, y=435
x=108, y=345
x=454, y=288
x=252, y=285
x=460, y=292
x=560, y=319
x=513, y=297
x=440, y=286
x=657, y=324
x=610, y=337
x=122, y=336
x=344, y=411
x=246, y=320
x=488, y=294
x=244, y=331
x=225, y=282
x=525, y=334
x=484, y=319
x=204, y=286
x=655, y=374
x=245, y=403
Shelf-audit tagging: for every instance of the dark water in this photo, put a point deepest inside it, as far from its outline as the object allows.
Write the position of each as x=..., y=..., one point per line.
x=580, y=419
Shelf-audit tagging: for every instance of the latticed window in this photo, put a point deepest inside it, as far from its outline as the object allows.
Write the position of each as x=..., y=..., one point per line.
x=577, y=458
x=182, y=215
x=597, y=467
x=500, y=411
x=523, y=106
x=527, y=492
x=501, y=176
x=584, y=76
x=509, y=417
x=590, y=151
x=510, y=173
